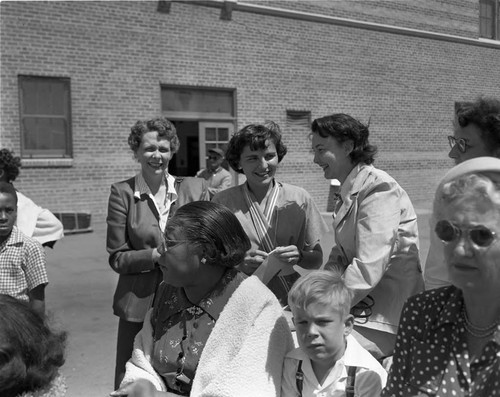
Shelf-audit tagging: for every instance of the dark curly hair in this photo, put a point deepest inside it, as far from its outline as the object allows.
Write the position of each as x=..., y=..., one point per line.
x=8, y=188
x=164, y=128
x=256, y=136
x=215, y=228
x=30, y=352
x=344, y=128
x=10, y=164
x=485, y=114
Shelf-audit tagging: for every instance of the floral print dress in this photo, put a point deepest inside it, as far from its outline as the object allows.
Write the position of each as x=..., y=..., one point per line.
x=181, y=329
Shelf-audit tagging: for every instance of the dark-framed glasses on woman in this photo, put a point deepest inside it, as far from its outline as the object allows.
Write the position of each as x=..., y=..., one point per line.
x=460, y=142
x=480, y=235
x=167, y=244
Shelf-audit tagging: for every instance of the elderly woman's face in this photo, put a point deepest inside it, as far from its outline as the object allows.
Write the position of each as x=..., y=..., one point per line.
x=472, y=257
x=181, y=263
x=153, y=154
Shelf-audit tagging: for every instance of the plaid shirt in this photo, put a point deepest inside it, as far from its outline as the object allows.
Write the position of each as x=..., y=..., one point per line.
x=22, y=265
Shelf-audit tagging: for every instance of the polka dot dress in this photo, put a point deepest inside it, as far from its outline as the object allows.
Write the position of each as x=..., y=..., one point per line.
x=431, y=357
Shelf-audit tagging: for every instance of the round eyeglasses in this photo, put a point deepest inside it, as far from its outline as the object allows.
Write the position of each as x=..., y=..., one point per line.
x=460, y=142
x=169, y=244
x=480, y=235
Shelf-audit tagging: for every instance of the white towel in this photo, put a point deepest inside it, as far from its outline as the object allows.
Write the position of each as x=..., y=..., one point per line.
x=244, y=353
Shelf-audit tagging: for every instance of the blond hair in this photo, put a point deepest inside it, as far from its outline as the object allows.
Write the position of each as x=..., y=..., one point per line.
x=324, y=287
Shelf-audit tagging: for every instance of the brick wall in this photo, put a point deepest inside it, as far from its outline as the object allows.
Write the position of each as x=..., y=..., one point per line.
x=118, y=53
x=453, y=17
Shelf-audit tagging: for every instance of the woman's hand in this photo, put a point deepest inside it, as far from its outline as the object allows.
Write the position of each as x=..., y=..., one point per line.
x=253, y=259
x=290, y=254
x=156, y=255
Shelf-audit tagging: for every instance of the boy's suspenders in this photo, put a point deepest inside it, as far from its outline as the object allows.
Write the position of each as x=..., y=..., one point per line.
x=299, y=378
x=349, y=385
x=349, y=388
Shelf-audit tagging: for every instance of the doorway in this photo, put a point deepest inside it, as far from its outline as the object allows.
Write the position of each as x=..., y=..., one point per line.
x=196, y=138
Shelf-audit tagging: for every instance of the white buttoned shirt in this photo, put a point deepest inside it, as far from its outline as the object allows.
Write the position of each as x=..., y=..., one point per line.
x=369, y=382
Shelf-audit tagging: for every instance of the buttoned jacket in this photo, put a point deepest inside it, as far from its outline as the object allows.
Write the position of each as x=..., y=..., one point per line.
x=377, y=244
x=133, y=233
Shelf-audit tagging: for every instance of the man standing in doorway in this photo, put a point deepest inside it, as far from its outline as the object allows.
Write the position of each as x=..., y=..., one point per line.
x=217, y=176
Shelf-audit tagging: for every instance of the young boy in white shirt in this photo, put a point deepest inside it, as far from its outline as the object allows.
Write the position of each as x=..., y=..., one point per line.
x=329, y=361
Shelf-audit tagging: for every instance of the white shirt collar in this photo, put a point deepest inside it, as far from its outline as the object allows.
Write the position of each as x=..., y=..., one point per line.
x=141, y=187
x=351, y=357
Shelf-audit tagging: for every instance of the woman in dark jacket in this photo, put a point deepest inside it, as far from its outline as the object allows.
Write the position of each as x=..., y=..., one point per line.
x=138, y=210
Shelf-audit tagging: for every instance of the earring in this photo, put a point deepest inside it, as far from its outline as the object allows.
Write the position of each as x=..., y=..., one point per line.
x=203, y=260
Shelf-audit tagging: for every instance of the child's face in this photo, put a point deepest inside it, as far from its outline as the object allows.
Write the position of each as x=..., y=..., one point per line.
x=321, y=332
x=8, y=214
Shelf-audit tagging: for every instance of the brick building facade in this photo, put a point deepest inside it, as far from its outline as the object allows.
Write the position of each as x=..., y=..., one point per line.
x=215, y=66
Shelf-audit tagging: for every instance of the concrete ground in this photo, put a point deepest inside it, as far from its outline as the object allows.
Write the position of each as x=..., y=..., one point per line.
x=79, y=298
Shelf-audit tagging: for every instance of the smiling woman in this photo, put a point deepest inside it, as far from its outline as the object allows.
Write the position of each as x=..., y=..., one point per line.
x=375, y=225
x=282, y=220
x=138, y=210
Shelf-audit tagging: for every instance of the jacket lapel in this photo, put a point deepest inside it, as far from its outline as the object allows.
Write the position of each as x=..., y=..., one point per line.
x=143, y=199
x=351, y=196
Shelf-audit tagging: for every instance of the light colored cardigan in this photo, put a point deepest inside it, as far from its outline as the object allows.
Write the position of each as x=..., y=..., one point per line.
x=244, y=353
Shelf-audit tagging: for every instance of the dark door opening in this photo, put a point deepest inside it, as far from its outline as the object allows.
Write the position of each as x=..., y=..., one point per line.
x=186, y=161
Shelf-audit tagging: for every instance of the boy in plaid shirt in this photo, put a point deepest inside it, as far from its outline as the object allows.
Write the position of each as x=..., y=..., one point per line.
x=22, y=258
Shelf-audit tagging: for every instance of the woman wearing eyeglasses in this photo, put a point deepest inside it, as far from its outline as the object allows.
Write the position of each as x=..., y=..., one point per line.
x=448, y=341
x=476, y=130
x=213, y=331
x=476, y=133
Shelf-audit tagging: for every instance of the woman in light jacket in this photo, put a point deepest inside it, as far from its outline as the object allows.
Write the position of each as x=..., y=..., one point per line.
x=375, y=229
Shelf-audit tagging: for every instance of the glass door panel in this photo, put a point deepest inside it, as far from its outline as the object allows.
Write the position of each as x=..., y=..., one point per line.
x=215, y=135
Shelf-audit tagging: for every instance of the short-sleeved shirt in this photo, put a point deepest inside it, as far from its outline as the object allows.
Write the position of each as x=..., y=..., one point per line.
x=431, y=354
x=22, y=265
x=296, y=220
x=181, y=328
x=369, y=381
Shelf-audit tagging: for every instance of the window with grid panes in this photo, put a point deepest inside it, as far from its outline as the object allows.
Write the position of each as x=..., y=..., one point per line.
x=489, y=19
x=45, y=117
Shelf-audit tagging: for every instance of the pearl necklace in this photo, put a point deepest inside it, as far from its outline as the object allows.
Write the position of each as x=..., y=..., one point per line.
x=478, y=332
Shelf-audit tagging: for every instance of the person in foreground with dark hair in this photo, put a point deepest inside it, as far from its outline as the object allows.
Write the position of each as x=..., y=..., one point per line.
x=476, y=133
x=282, y=221
x=138, y=210
x=375, y=226
x=212, y=331
x=31, y=353
x=448, y=340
